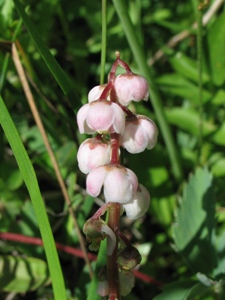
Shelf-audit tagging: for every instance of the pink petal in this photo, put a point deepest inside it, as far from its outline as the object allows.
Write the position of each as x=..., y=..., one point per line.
x=117, y=185
x=100, y=115
x=81, y=120
x=119, y=119
x=151, y=130
x=133, y=178
x=95, y=180
x=138, y=206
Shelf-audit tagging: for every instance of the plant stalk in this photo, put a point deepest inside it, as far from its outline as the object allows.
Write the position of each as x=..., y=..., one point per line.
x=112, y=267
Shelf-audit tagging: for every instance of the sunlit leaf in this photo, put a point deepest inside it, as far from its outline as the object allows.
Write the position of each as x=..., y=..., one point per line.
x=216, y=43
x=189, y=120
x=194, y=228
x=22, y=274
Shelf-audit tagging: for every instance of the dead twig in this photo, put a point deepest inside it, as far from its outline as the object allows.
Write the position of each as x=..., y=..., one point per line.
x=184, y=34
x=40, y=125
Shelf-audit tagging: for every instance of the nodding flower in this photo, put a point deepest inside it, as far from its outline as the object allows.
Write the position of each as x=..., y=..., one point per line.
x=131, y=87
x=101, y=116
x=118, y=182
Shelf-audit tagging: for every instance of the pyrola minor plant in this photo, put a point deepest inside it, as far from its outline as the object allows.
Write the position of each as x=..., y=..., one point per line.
x=107, y=116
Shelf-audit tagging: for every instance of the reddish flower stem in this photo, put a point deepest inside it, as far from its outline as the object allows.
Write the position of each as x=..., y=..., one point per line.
x=114, y=148
x=112, y=267
x=112, y=75
x=20, y=238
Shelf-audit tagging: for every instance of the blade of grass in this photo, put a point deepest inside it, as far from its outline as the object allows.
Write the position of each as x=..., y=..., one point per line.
x=101, y=263
x=103, y=51
x=30, y=180
x=199, y=15
x=49, y=59
x=139, y=56
x=55, y=164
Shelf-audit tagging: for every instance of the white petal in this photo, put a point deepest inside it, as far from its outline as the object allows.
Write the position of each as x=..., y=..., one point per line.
x=95, y=180
x=81, y=120
x=138, y=206
x=119, y=119
x=95, y=92
x=151, y=130
x=117, y=186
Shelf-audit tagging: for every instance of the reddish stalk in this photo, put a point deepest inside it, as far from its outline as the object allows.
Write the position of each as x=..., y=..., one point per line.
x=112, y=267
x=20, y=238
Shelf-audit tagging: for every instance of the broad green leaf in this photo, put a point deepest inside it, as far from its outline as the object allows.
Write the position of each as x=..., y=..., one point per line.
x=6, y=11
x=219, y=136
x=49, y=59
x=176, y=84
x=216, y=44
x=194, y=227
x=189, y=120
x=22, y=274
x=220, y=269
x=162, y=208
x=10, y=175
x=30, y=180
x=186, y=290
x=187, y=67
x=218, y=168
x=219, y=98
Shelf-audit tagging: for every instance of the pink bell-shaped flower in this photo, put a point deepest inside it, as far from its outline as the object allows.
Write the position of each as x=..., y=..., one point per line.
x=131, y=87
x=95, y=92
x=139, y=203
x=93, y=153
x=102, y=116
x=119, y=183
x=140, y=133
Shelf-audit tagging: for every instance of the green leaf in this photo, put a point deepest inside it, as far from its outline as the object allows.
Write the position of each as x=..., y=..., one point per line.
x=219, y=136
x=219, y=97
x=49, y=59
x=30, y=180
x=218, y=168
x=189, y=120
x=10, y=175
x=22, y=274
x=220, y=269
x=216, y=44
x=194, y=227
x=187, y=67
x=176, y=84
x=185, y=290
x=6, y=11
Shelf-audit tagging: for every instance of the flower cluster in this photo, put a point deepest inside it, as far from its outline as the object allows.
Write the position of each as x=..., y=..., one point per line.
x=108, y=117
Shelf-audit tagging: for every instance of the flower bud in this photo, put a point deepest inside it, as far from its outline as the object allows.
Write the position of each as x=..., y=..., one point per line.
x=129, y=258
x=119, y=183
x=96, y=230
x=93, y=153
x=140, y=133
x=131, y=87
x=93, y=231
x=139, y=204
x=102, y=116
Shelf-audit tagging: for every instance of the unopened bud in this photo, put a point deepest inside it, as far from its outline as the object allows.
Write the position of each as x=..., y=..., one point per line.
x=129, y=258
x=93, y=231
x=96, y=230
